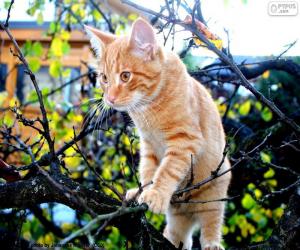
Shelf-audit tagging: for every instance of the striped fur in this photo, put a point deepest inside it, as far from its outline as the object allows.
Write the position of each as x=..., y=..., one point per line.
x=176, y=118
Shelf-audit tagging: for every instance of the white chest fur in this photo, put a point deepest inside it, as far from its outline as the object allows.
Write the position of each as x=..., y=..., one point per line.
x=156, y=140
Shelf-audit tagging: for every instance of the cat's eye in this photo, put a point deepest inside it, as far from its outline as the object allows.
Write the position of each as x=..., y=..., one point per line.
x=125, y=76
x=103, y=78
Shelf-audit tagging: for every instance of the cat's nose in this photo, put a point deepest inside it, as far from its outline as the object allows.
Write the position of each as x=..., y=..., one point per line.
x=111, y=98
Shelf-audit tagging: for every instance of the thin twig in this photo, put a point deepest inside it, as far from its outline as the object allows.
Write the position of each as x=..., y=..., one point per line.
x=8, y=12
x=88, y=227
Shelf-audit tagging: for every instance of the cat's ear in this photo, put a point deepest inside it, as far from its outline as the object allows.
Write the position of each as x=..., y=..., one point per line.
x=142, y=39
x=98, y=39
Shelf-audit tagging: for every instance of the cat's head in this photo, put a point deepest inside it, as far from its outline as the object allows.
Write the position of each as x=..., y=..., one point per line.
x=129, y=67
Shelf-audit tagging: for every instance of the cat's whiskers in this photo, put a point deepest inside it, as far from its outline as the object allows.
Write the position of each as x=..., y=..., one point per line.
x=149, y=113
x=91, y=113
x=99, y=108
x=134, y=108
x=104, y=113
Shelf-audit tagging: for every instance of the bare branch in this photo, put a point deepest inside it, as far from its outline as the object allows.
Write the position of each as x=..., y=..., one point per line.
x=8, y=13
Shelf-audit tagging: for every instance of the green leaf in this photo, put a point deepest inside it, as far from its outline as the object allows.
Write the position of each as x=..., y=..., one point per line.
x=31, y=11
x=37, y=48
x=258, y=106
x=55, y=68
x=251, y=186
x=32, y=96
x=8, y=120
x=266, y=114
x=6, y=4
x=248, y=202
x=265, y=157
x=26, y=49
x=66, y=48
x=45, y=91
x=53, y=27
x=34, y=64
x=269, y=174
x=245, y=108
x=40, y=18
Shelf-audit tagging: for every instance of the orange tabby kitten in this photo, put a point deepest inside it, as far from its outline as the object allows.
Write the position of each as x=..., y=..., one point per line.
x=176, y=118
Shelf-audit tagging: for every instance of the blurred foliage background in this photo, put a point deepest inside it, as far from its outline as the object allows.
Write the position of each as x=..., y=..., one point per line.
x=109, y=155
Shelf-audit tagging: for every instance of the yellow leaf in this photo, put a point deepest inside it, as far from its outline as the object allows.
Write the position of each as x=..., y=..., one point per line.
x=56, y=47
x=55, y=68
x=278, y=212
x=75, y=7
x=248, y=202
x=97, y=15
x=269, y=174
x=13, y=102
x=126, y=140
x=225, y=230
x=24, y=173
x=75, y=175
x=78, y=118
x=66, y=227
x=106, y=173
x=244, y=232
x=85, y=173
x=245, y=108
x=122, y=159
x=251, y=228
x=48, y=239
x=257, y=193
x=8, y=119
x=268, y=213
x=266, y=74
x=55, y=117
x=231, y=114
x=65, y=35
x=221, y=108
x=27, y=235
x=218, y=43
x=72, y=161
x=132, y=16
x=265, y=157
x=272, y=182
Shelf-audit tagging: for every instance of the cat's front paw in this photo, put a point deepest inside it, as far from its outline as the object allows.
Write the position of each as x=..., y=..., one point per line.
x=156, y=201
x=213, y=246
x=132, y=194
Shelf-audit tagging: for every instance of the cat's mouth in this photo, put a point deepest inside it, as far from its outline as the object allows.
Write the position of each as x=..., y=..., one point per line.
x=120, y=107
x=117, y=106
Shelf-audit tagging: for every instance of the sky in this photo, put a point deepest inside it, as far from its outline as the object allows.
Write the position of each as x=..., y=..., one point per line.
x=252, y=30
